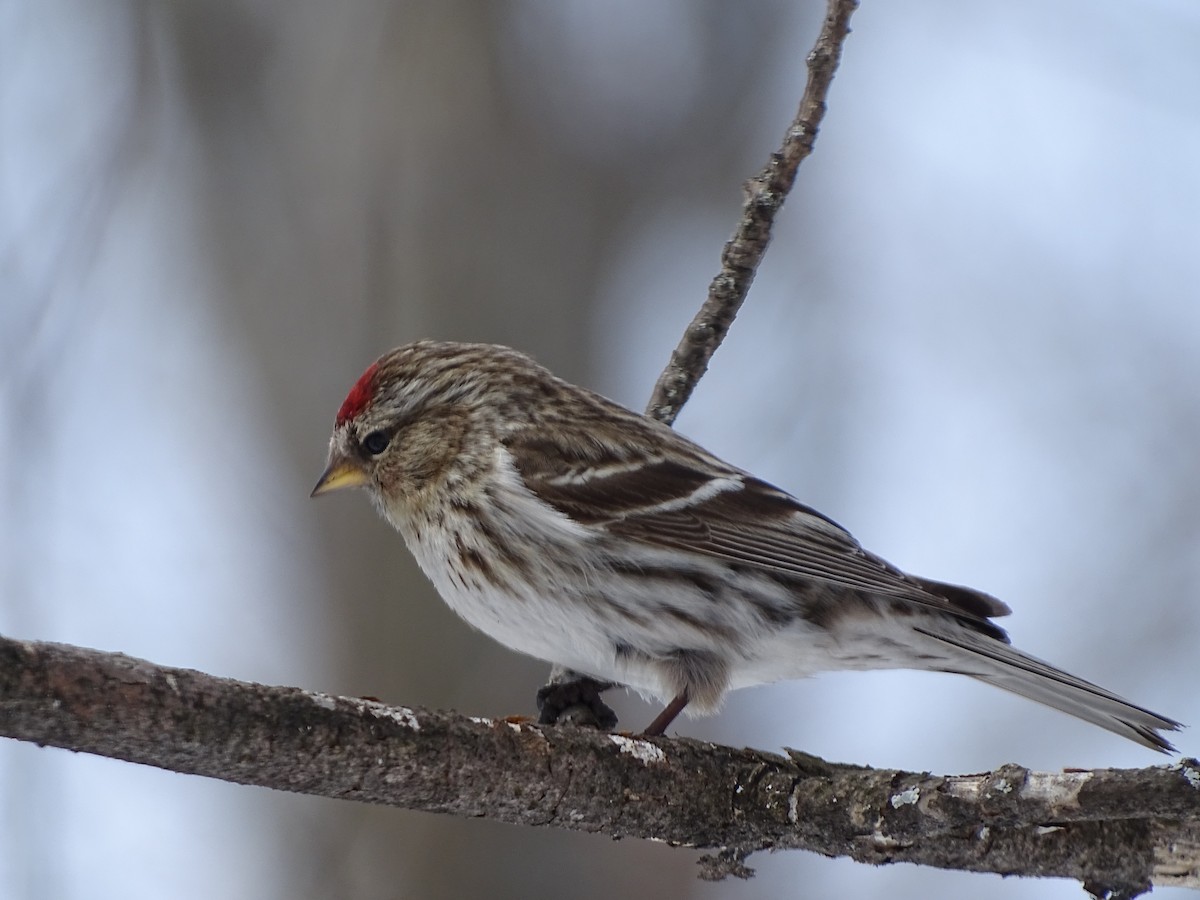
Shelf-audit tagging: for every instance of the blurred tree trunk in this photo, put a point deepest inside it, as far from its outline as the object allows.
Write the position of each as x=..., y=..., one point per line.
x=369, y=175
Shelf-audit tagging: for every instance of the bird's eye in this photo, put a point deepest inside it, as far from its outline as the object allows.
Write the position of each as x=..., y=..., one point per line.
x=376, y=442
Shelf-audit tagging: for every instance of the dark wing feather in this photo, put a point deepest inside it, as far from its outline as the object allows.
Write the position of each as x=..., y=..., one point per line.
x=760, y=526
x=695, y=503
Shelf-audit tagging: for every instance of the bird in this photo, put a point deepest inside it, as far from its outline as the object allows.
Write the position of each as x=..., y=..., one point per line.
x=585, y=534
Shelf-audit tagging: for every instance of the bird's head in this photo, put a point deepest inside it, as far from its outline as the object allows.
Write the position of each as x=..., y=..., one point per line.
x=425, y=416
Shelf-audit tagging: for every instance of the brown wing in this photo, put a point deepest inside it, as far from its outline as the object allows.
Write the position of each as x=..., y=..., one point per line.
x=694, y=503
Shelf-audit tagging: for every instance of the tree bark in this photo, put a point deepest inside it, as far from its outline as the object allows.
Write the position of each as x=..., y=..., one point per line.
x=1117, y=831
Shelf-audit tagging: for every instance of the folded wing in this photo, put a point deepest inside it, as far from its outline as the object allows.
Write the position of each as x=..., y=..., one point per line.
x=697, y=504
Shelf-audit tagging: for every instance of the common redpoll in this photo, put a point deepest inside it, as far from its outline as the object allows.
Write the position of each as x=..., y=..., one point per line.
x=574, y=530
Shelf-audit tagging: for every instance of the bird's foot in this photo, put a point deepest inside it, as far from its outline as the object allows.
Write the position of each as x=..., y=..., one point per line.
x=576, y=702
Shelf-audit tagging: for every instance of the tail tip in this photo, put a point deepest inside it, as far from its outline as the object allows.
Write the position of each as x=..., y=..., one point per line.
x=1150, y=735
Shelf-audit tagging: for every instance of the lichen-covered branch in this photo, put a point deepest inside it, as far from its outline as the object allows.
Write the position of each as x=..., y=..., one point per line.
x=744, y=251
x=1116, y=830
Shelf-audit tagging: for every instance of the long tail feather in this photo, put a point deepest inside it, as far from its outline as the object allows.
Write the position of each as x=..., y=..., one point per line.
x=1006, y=667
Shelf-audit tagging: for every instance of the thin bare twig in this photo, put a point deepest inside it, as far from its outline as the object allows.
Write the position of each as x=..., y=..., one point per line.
x=765, y=194
x=1117, y=830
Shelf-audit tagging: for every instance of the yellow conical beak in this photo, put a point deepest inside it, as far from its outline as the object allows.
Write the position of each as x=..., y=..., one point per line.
x=340, y=473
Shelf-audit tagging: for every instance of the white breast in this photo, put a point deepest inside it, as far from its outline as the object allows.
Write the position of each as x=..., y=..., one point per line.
x=526, y=593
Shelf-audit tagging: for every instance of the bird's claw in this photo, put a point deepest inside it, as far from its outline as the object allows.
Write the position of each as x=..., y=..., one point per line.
x=576, y=702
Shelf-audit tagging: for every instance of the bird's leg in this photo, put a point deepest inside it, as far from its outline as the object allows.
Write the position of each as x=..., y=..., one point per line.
x=667, y=716
x=574, y=699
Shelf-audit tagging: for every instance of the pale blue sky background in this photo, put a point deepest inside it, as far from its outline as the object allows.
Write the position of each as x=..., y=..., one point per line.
x=975, y=342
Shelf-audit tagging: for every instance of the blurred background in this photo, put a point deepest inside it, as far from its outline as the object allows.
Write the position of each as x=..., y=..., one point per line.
x=975, y=342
